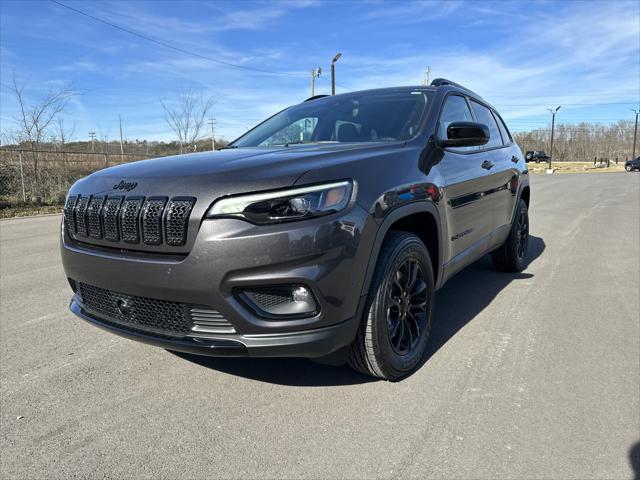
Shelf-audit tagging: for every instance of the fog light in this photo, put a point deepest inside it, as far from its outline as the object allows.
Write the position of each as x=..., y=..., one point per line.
x=281, y=301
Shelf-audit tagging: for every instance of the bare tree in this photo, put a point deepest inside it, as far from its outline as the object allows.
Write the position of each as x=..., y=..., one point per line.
x=186, y=119
x=36, y=117
x=64, y=133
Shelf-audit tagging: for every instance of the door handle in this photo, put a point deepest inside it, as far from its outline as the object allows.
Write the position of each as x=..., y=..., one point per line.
x=487, y=164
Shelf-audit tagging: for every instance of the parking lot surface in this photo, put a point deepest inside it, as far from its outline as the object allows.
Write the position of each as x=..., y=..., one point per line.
x=530, y=375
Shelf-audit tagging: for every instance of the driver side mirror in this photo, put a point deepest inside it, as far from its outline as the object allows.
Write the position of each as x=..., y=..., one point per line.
x=466, y=134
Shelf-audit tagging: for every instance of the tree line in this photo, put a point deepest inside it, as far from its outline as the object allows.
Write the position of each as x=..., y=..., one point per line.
x=582, y=142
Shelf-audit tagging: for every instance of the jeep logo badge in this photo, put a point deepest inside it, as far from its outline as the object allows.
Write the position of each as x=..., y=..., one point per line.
x=128, y=186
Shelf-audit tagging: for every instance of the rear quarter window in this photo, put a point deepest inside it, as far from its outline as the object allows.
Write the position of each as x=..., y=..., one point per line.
x=484, y=115
x=506, y=136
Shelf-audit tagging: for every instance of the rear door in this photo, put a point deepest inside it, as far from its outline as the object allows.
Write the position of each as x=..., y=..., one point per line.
x=465, y=180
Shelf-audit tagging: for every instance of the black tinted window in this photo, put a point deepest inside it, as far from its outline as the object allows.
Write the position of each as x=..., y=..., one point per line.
x=455, y=109
x=484, y=115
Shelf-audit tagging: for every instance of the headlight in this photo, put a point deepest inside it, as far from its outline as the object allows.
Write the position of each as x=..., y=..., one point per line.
x=286, y=205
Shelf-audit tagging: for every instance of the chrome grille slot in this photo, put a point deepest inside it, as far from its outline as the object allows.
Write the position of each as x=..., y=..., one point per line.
x=206, y=320
x=81, y=216
x=129, y=215
x=93, y=217
x=152, y=220
x=110, y=215
x=176, y=220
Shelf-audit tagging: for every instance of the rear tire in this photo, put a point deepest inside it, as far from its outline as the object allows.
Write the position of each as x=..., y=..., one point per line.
x=392, y=338
x=512, y=255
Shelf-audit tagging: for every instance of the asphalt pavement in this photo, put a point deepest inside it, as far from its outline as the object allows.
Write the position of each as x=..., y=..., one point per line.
x=530, y=375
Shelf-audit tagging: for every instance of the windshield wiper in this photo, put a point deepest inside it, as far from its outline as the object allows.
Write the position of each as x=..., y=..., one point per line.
x=301, y=142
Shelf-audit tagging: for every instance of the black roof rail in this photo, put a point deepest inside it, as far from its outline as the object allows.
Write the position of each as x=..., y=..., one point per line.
x=314, y=97
x=443, y=81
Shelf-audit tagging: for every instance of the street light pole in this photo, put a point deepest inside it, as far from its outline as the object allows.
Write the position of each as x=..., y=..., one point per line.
x=553, y=124
x=635, y=133
x=333, y=73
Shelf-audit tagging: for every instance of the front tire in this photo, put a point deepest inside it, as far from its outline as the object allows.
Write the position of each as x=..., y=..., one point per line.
x=392, y=338
x=628, y=168
x=512, y=255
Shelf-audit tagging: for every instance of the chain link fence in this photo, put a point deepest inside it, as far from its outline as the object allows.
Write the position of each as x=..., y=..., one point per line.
x=43, y=177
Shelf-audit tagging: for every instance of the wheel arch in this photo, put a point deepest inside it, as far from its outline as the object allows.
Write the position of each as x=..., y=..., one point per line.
x=419, y=218
x=525, y=194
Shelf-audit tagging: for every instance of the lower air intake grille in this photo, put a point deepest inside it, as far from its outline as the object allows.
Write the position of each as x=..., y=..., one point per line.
x=149, y=315
x=206, y=320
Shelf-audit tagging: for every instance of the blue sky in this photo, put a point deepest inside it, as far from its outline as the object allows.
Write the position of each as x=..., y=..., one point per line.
x=521, y=56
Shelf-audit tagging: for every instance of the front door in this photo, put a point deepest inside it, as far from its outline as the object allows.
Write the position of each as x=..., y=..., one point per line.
x=466, y=182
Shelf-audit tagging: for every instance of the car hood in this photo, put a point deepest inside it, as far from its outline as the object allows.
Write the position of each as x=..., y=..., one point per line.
x=220, y=173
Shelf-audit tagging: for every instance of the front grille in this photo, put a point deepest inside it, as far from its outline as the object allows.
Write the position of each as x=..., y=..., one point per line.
x=149, y=315
x=110, y=218
x=152, y=220
x=81, y=216
x=93, y=217
x=176, y=220
x=69, y=214
x=132, y=220
x=129, y=220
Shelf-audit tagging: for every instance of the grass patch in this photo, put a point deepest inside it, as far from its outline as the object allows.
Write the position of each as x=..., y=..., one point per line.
x=29, y=210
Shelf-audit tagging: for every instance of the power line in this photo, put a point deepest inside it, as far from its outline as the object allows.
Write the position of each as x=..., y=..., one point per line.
x=173, y=47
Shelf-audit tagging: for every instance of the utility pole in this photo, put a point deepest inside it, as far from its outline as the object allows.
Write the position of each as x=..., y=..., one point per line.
x=425, y=80
x=212, y=122
x=553, y=124
x=635, y=133
x=314, y=73
x=333, y=73
x=93, y=137
x=121, y=143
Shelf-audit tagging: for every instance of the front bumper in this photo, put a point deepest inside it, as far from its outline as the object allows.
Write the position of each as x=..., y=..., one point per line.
x=329, y=255
x=309, y=344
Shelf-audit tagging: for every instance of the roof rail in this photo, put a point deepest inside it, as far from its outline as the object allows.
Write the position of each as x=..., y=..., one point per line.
x=315, y=97
x=443, y=81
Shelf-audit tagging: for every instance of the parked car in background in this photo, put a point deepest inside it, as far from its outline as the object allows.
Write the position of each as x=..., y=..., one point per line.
x=326, y=229
x=631, y=165
x=536, y=156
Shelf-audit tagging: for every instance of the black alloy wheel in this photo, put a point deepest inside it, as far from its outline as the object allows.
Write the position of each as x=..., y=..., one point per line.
x=406, y=306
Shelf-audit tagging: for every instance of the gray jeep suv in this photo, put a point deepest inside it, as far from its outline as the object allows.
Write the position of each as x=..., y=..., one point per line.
x=322, y=232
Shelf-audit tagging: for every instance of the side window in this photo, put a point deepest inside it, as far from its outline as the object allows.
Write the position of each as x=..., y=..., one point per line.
x=506, y=137
x=484, y=115
x=455, y=109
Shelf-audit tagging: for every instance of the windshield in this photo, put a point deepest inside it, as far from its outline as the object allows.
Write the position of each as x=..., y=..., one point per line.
x=356, y=117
